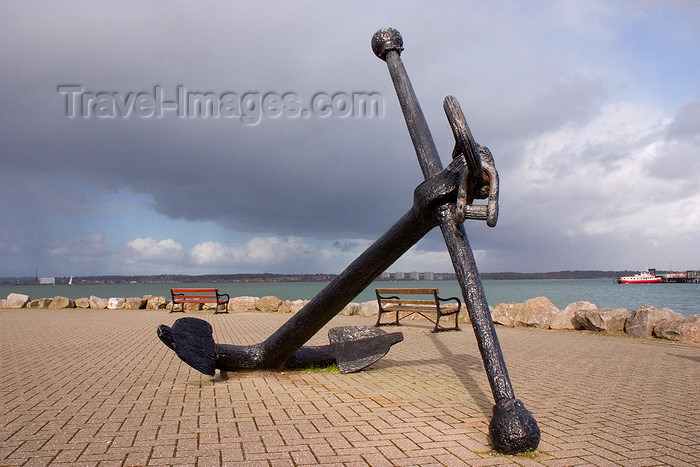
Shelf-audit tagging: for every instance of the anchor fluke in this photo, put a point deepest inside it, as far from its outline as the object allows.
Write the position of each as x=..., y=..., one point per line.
x=194, y=344
x=357, y=347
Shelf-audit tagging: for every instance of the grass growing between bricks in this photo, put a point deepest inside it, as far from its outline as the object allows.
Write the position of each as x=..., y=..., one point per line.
x=532, y=454
x=321, y=369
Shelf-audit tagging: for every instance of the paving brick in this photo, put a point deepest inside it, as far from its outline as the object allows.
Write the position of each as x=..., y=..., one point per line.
x=105, y=391
x=565, y=462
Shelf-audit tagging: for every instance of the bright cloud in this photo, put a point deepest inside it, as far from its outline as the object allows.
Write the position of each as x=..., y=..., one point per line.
x=618, y=174
x=423, y=260
x=258, y=251
x=277, y=251
x=148, y=249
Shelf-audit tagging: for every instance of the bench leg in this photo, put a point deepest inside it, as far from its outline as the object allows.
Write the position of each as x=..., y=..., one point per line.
x=379, y=319
x=438, y=328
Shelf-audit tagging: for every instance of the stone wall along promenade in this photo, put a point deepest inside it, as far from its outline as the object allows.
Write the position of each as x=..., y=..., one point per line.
x=644, y=322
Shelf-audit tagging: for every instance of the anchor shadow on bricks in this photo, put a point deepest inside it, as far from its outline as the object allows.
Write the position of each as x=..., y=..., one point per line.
x=464, y=367
x=697, y=359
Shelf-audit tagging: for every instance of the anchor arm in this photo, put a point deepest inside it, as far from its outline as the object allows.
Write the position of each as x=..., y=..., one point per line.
x=401, y=236
x=284, y=347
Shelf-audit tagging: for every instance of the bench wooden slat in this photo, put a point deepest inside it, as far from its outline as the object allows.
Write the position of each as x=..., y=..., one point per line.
x=401, y=306
x=406, y=301
x=210, y=291
x=193, y=297
x=407, y=291
x=207, y=300
x=432, y=311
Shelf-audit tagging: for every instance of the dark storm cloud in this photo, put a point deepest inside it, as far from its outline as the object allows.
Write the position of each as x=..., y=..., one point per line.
x=328, y=177
x=316, y=175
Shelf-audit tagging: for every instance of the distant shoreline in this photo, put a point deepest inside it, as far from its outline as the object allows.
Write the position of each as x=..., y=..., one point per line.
x=273, y=277
x=603, y=292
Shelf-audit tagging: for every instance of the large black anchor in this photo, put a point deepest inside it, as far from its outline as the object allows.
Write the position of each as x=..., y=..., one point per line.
x=444, y=199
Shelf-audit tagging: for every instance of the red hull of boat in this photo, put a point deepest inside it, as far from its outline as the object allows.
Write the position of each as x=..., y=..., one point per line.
x=642, y=281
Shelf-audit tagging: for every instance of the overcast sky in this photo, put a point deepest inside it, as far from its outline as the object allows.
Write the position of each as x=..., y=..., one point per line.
x=590, y=108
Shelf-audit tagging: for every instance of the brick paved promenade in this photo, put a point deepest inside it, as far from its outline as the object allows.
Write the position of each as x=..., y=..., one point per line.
x=82, y=387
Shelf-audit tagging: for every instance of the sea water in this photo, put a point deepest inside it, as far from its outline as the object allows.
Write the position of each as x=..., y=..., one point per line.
x=604, y=293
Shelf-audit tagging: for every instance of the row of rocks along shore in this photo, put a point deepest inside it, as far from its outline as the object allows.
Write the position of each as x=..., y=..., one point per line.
x=646, y=321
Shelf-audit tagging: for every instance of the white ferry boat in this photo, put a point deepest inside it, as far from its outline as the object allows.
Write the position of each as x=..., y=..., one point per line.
x=641, y=278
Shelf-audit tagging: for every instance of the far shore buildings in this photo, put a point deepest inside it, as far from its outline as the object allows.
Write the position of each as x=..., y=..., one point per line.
x=411, y=276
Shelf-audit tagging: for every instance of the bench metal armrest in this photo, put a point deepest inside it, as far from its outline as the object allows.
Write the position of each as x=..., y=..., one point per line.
x=392, y=297
x=382, y=297
x=459, y=302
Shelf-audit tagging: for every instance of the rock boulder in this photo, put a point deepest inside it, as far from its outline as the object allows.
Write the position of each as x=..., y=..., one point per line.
x=291, y=306
x=242, y=304
x=97, y=303
x=349, y=309
x=535, y=313
x=569, y=313
x=685, y=330
x=563, y=320
x=602, y=319
x=464, y=314
x=370, y=308
x=39, y=303
x=189, y=307
x=268, y=304
x=82, y=302
x=62, y=302
x=156, y=303
x=116, y=303
x=134, y=303
x=16, y=300
x=504, y=313
x=642, y=321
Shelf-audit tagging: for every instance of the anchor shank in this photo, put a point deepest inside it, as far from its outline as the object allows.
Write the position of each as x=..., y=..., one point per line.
x=413, y=114
x=468, y=277
x=455, y=236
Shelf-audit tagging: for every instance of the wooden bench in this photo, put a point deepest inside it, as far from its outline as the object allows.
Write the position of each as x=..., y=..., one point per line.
x=184, y=296
x=390, y=302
